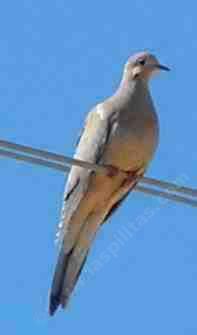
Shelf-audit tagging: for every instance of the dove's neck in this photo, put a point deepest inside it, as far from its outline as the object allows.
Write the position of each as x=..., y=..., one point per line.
x=129, y=86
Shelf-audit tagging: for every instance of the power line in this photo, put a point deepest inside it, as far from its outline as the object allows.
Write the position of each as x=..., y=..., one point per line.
x=62, y=163
x=166, y=195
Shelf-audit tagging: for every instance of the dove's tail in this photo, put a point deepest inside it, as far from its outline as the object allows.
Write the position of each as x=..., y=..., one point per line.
x=70, y=264
x=68, y=269
x=58, y=280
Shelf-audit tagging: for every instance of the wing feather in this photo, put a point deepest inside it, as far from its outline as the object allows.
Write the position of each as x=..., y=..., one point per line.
x=91, y=145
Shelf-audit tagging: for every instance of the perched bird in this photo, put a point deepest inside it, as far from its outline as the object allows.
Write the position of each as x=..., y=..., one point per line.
x=121, y=133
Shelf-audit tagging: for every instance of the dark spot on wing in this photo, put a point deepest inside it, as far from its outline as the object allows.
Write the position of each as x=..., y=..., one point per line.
x=70, y=191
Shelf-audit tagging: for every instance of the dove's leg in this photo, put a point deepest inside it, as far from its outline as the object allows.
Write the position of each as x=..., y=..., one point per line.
x=113, y=171
x=132, y=177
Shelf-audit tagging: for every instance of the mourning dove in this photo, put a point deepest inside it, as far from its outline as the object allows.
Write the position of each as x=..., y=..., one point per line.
x=121, y=133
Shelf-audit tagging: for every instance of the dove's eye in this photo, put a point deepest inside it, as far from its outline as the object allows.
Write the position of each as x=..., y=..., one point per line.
x=142, y=61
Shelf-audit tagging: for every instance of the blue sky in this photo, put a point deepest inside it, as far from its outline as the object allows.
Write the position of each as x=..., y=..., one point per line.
x=57, y=60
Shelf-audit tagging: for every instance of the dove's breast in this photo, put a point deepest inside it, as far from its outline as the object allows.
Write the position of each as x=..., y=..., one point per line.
x=134, y=133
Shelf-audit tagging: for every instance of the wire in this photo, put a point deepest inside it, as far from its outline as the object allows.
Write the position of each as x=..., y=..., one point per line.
x=60, y=163
x=51, y=156
x=166, y=195
x=170, y=186
x=34, y=160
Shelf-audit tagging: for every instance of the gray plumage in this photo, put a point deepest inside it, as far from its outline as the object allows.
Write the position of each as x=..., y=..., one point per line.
x=121, y=132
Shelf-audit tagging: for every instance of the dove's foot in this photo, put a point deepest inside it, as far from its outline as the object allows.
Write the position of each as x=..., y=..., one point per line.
x=132, y=177
x=112, y=171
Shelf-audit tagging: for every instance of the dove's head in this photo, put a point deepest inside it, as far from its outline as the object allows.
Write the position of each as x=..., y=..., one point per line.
x=142, y=66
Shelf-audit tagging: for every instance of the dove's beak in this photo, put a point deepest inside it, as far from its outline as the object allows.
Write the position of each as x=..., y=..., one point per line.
x=162, y=67
x=157, y=67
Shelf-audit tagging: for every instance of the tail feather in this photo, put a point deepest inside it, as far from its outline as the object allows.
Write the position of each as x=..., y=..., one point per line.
x=58, y=280
x=70, y=264
x=69, y=284
x=67, y=272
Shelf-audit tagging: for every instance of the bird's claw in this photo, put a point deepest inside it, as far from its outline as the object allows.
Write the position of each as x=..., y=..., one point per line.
x=132, y=177
x=112, y=171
